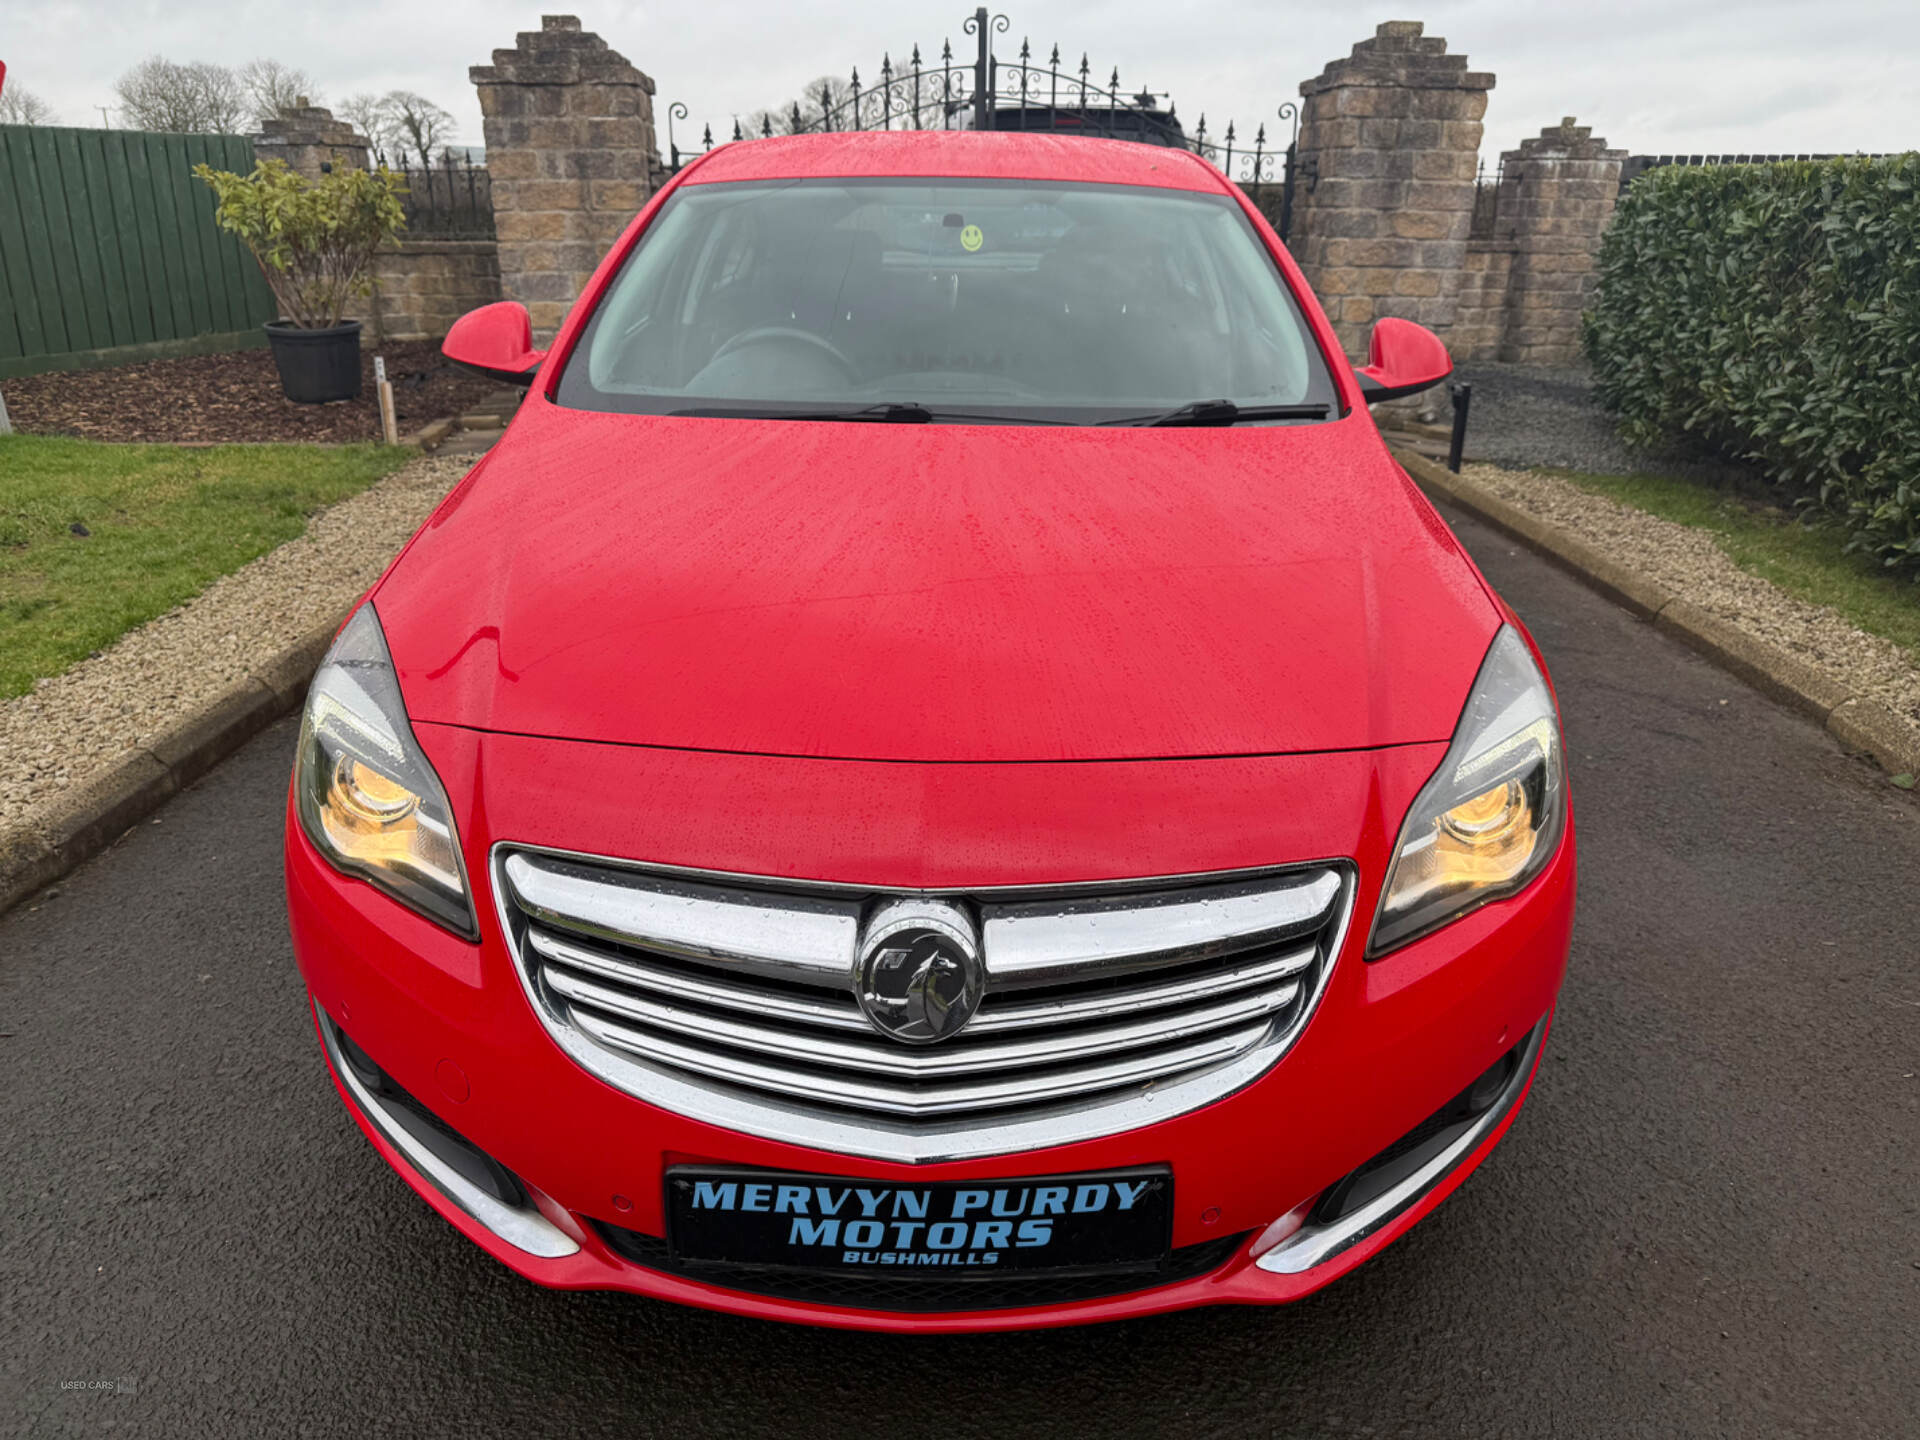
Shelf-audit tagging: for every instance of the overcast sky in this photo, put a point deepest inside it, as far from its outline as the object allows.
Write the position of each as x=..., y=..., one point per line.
x=1702, y=76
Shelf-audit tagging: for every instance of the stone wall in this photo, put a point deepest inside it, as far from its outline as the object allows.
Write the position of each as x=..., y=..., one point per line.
x=421, y=286
x=310, y=140
x=1529, y=283
x=1569, y=184
x=570, y=145
x=1480, y=319
x=1389, y=142
x=1382, y=219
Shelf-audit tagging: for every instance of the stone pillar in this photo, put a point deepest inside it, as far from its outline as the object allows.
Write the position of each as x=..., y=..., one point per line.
x=307, y=137
x=570, y=148
x=1557, y=193
x=1389, y=141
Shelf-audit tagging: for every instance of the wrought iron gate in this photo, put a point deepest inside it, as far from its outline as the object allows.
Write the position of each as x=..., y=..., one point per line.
x=987, y=93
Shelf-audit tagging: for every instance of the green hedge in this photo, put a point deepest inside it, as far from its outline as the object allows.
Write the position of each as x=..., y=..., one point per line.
x=1772, y=313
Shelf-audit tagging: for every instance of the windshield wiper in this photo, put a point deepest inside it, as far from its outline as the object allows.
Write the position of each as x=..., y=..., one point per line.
x=896, y=412
x=1225, y=412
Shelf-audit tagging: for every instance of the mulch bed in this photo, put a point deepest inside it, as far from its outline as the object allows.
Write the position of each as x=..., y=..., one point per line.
x=236, y=397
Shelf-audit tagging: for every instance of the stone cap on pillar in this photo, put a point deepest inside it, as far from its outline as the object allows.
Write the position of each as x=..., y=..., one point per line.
x=308, y=137
x=560, y=53
x=302, y=123
x=1566, y=141
x=1400, y=54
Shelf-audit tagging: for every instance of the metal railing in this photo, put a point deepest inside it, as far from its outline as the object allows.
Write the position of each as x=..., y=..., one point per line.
x=1025, y=93
x=1486, y=201
x=1265, y=174
x=450, y=200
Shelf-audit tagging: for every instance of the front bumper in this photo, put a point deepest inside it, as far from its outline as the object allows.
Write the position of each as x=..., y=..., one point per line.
x=1392, y=1042
x=529, y=1232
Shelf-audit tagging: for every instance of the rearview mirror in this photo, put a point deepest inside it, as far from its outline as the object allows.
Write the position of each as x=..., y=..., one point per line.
x=1402, y=359
x=495, y=341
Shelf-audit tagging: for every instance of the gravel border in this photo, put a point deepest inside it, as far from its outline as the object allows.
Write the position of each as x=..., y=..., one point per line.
x=1861, y=688
x=88, y=752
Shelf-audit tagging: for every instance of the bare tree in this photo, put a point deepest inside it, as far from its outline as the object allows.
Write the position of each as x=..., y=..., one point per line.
x=23, y=107
x=198, y=97
x=272, y=87
x=367, y=114
x=417, y=124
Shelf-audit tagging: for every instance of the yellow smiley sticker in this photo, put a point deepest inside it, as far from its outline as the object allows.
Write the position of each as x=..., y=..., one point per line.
x=971, y=239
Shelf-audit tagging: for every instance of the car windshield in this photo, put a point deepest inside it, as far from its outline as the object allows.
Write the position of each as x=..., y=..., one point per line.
x=948, y=300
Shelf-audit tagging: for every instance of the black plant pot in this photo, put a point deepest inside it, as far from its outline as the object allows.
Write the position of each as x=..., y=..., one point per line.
x=317, y=365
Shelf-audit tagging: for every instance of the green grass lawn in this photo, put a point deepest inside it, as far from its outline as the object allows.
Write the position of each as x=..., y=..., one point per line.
x=1806, y=558
x=161, y=524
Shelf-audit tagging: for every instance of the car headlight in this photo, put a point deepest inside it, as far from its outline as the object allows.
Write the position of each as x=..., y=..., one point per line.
x=364, y=791
x=1489, y=819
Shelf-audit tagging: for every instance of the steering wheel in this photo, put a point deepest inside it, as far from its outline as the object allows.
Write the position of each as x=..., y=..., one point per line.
x=788, y=334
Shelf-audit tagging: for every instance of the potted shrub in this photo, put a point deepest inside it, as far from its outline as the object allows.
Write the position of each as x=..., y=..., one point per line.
x=315, y=243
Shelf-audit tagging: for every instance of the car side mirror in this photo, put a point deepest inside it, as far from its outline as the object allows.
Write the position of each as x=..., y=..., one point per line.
x=495, y=341
x=1402, y=359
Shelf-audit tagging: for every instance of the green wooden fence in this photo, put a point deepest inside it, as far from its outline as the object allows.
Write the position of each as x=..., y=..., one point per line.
x=109, y=251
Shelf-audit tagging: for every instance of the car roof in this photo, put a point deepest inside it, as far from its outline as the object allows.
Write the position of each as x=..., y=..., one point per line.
x=955, y=154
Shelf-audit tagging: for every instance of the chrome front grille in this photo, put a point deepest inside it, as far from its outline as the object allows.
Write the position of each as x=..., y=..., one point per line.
x=733, y=1000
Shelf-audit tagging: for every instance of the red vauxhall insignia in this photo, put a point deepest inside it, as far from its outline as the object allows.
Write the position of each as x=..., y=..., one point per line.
x=939, y=776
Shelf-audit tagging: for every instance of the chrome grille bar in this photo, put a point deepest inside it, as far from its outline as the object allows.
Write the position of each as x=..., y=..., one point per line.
x=1024, y=1014
x=904, y=1100
x=732, y=999
x=844, y=1015
x=701, y=988
x=1038, y=942
x=801, y=937
x=881, y=1058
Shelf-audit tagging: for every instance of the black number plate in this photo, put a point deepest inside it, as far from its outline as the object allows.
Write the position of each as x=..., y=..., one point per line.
x=1109, y=1220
